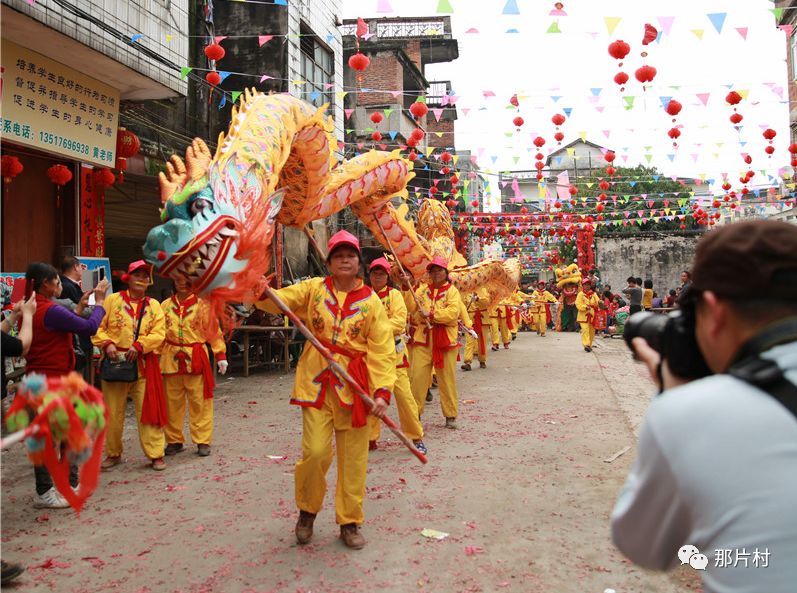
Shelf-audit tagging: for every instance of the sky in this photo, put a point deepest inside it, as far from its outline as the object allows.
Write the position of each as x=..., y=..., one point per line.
x=705, y=48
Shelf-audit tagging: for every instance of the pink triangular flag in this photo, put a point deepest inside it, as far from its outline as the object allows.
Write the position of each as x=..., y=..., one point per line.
x=666, y=23
x=265, y=77
x=261, y=39
x=488, y=94
x=437, y=113
x=786, y=29
x=743, y=32
x=384, y=6
x=606, y=133
x=219, y=38
x=599, y=109
x=395, y=93
x=348, y=112
x=465, y=111
x=703, y=97
x=472, y=30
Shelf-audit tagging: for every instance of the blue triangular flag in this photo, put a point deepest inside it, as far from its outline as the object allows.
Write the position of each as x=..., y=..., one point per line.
x=671, y=157
x=556, y=98
x=567, y=110
x=392, y=135
x=717, y=19
x=314, y=95
x=281, y=2
x=223, y=74
x=656, y=177
x=223, y=101
x=596, y=91
x=136, y=37
x=512, y=31
x=511, y=7
x=665, y=101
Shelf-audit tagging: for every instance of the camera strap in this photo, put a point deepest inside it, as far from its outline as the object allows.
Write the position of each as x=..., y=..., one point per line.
x=764, y=373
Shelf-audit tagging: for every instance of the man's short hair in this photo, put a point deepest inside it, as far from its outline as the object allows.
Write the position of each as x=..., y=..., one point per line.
x=747, y=261
x=631, y=280
x=638, y=281
x=69, y=262
x=688, y=273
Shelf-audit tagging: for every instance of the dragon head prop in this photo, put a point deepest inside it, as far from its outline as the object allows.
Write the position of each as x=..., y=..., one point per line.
x=568, y=279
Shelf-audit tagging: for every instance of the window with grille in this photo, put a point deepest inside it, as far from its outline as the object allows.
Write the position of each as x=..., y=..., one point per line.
x=318, y=69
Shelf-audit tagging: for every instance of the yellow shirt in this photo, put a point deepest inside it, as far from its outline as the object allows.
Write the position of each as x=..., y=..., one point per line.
x=185, y=327
x=647, y=298
x=443, y=303
x=355, y=322
x=480, y=303
x=396, y=310
x=539, y=298
x=587, y=306
x=119, y=324
x=464, y=317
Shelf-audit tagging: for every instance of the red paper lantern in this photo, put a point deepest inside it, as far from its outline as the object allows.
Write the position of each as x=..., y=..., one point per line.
x=600, y=207
x=726, y=186
x=769, y=133
x=674, y=133
x=736, y=118
x=433, y=190
x=619, y=49
x=573, y=190
x=793, y=148
x=558, y=119
x=102, y=178
x=359, y=62
x=453, y=180
x=558, y=136
x=11, y=167
x=513, y=100
x=451, y=203
x=445, y=171
x=748, y=159
x=446, y=157
x=733, y=98
x=604, y=185
x=214, y=52
x=475, y=203
x=127, y=145
x=621, y=78
x=376, y=136
x=412, y=156
x=674, y=107
x=518, y=121
x=59, y=174
x=539, y=141
x=213, y=78
x=611, y=170
x=557, y=204
x=609, y=156
x=419, y=109
x=376, y=117
x=539, y=165
x=769, y=149
x=645, y=74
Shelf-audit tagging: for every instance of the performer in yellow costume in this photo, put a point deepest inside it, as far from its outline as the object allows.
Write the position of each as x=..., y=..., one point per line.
x=349, y=320
x=515, y=300
x=478, y=303
x=116, y=339
x=187, y=374
x=396, y=310
x=495, y=326
x=538, y=299
x=587, y=303
x=504, y=314
x=436, y=347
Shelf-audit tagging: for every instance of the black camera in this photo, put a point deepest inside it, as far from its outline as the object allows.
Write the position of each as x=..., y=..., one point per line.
x=672, y=336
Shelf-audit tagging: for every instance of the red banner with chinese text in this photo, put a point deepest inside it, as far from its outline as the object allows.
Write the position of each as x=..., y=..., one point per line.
x=92, y=215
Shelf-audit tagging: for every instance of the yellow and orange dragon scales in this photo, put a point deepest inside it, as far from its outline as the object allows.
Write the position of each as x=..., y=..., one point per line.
x=276, y=164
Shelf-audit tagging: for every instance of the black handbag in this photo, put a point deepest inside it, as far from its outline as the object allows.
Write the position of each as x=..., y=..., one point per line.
x=122, y=371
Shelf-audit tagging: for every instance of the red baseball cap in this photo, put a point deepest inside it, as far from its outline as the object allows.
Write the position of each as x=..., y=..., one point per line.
x=540, y=282
x=438, y=261
x=586, y=281
x=380, y=262
x=133, y=266
x=343, y=238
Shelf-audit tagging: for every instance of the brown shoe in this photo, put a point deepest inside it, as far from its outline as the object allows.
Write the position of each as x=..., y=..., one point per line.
x=351, y=536
x=304, y=527
x=482, y=365
x=110, y=462
x=466, y=366
x=158, y=464
x=173, y=448
x=451, y=423
x=203, y=450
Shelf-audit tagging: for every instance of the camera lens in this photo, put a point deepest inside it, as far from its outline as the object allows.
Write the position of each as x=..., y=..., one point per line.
x=645, y=325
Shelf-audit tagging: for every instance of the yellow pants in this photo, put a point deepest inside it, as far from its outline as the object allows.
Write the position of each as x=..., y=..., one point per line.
x=472, y=348
x=407, y=409
x=421, y=379
x=506, y=337
x=494, y=330
x=587, y=333
x=352, y=451
x=190, y=388
x=540, y=322
x=115, y=396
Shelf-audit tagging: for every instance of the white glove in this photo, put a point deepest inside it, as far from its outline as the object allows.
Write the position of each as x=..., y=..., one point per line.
x=222, y=366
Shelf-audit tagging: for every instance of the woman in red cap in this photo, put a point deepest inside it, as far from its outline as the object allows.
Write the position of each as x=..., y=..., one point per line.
x=587, y=303
x=393, y=302
x=435, y=340
x=348, y=318
x=133, y=329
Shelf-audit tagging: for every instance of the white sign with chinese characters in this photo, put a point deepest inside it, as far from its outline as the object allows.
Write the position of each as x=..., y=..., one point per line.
x=50, y=106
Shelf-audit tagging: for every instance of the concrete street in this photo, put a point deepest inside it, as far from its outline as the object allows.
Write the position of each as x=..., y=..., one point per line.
x=522, y=489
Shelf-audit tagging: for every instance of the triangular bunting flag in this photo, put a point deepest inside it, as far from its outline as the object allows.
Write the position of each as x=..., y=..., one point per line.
x=697, y=33
x=263, y=39
x=717, y=19
x=611, y=23
x=348, y=112
x=703, y=97
x=511, y=7
x=554, y=28
x=444, y=7
x=184, y=71
x=235, y=95
x=743, y=32
x=666, y=23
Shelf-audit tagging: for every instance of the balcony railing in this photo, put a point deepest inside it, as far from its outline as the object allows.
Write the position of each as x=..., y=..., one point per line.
x=402, y=30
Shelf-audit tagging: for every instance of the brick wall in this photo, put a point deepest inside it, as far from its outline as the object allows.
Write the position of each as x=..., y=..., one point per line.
x=384, y=72
x=446, y=126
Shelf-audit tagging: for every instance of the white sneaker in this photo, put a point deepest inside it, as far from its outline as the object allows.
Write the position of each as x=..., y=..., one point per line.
x=51, y=499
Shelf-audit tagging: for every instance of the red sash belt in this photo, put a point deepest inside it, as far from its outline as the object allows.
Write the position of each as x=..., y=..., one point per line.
x=440, y=344
x=154, y=409
x=200, y=365
x=477, y=326
x=508, y=312
x=359, y=372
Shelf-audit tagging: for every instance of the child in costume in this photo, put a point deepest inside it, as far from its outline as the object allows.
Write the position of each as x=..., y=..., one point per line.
x=349, y=320
x=478, y=303
x=587, y=304
x=187, y=374
x=436, y=347
x=539, y=298
x=116, y=338
x=396, y=311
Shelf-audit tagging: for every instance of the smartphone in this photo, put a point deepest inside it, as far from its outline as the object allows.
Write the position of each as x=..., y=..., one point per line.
x=102, y=274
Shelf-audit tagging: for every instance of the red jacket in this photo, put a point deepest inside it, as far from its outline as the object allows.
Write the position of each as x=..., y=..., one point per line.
x=51, y=352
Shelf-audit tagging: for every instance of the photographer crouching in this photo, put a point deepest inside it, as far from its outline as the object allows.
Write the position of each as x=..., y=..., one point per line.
x=714, y=485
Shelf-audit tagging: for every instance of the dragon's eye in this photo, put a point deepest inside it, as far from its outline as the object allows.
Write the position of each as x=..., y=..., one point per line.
x=198, y=206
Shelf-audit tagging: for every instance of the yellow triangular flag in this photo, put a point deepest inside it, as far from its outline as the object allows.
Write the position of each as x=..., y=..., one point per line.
x=454, y=159
x=169, y=38
x=744, y=93
x=611, y=23
x=299, y=82
x=571, y=152
x=341, y=94
x=583, y=136
x=439, y=134
x=429, y=150
x=698, y=33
